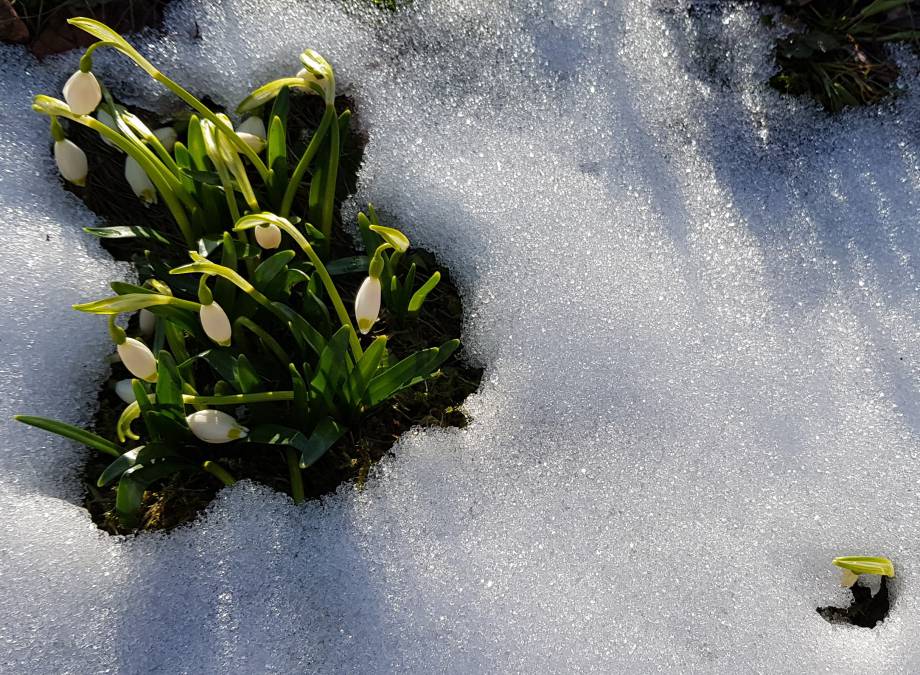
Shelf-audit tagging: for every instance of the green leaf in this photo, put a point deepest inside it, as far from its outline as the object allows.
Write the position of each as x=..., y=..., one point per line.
x=418, y=298
x=360, y=376
x=411, y=370
x=140, y=455
x=367, y=235
x=169, y=382
x=221, y=361
x=127, y=232
x=245, y=375
x=301, y=394
x=332, y=368
x=353, y=265
x=87, y=438
x=266, y=273
x=311, y=448
x=225, y=290
x=304, y=333
x=324, y=436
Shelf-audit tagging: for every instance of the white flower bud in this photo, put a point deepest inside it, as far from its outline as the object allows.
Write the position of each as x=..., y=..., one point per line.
x=215, y=323
x=147, y=322
x=71, y=161
x=268, y=236
x=82, y=93
x=252, y=132
x=125, y=391
x=367, y=304
x=214, y=426
x=103, y=116
x=167, y=136
x=139, y=181
x=138, y=359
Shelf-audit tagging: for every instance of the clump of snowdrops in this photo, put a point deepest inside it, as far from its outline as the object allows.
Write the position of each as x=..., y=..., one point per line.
x=249, y=341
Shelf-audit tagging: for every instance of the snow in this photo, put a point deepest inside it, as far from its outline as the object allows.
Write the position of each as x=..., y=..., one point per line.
x=696, y=302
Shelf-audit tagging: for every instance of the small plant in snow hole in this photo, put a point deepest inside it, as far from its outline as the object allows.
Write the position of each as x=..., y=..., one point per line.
x=249, y=343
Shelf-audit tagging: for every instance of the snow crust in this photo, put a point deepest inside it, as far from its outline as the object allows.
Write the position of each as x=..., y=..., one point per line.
x=697, y=306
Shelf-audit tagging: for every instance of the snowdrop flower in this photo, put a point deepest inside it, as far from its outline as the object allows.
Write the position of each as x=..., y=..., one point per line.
x=215, y=323
x=214, y=426
x=138, y=359
x=268, y=235
x=82, y=92
x=125, y=391
x=71, y=161
x=167, y=136
x=147, y=322
x=140, y=182
x=367, y=304
x=252, y=131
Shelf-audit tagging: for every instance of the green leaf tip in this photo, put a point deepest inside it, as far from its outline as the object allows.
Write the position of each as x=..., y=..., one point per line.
x=861, y=564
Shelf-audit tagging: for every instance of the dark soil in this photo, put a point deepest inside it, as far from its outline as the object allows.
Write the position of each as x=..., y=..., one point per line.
x=42, y=24
x=866, y=610
x=434, y=403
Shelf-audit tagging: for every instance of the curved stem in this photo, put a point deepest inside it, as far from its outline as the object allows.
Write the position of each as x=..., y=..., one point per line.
x=328, y=284
x=206, y=112
x=293, y=462
x=239, y=399
x=219, y=472
x=331, y=176
x=304, y=162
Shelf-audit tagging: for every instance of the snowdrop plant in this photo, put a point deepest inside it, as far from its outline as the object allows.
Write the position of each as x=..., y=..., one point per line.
x=855, y=565
x=245, y=341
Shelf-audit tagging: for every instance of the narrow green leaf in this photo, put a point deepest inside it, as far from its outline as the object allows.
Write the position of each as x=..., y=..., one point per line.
x=169, y=382
x=418, y=298
x=266, y=272
x=87, y=438
x=361, y=376
x=324, y=436
x=139, y=455
x=128, y=232
x=409, y=371
x=353, y=265
x=245, y=376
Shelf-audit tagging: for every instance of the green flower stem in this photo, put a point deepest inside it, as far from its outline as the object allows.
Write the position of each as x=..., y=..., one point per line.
x=206, y=112
x=147, y=161
x=219, y=472
x=304, y=163
x=293, y=462
x=203, y=266
x=328, y=284
x=331, y=176
x=239, y=399
x=270, y=342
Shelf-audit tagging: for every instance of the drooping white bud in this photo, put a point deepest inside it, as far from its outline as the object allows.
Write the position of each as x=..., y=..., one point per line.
x=138, y=359
x=103, y=116
x=140, y=182
x=71, y=161
x=82, y=93
x=252, y=132
x=125, y=391
x=147, y=322
x=214, y=426
x=215, y=323
x=268, y=236
x=367, y=304
x=167, y=136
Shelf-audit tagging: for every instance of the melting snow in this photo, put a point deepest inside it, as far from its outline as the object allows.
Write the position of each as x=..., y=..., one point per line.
x=697, y=305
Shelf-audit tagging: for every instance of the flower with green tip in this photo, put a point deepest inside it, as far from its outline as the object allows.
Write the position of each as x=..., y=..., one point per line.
x=82, y=92
x=214, y=426
x=140, y=182
x=215, y=323
x=138, y=359
x=252, y=131
x=367, y=304
x=71, y=161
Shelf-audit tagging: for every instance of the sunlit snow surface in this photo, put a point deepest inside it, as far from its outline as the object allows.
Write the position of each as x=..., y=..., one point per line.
x=696, y=302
